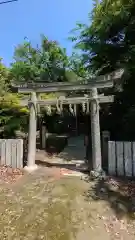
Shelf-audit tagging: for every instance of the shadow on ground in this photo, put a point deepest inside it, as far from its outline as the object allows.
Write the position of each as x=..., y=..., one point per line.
x=71, y=158
x=120, y=195
x=72, y=155
x=72, y=167
x=74, y=150
x=66, y=148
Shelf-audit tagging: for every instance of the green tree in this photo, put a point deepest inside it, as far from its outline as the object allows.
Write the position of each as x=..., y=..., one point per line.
x=12, y=115
x=77, y=67
x=47, y=62
x=107, y=44
x=4, y=79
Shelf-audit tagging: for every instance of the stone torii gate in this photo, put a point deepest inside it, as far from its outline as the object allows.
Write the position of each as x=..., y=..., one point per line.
x=92, y=100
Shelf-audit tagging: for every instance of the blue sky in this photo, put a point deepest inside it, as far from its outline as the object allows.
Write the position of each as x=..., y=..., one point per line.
x=30, y=18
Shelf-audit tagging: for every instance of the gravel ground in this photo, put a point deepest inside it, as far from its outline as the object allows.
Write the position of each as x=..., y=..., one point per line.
x=47, y=205
x=51, y=206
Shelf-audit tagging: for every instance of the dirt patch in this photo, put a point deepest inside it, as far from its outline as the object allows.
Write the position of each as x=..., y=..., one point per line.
x=114, y=201
x=37, y=210
x=47, y=205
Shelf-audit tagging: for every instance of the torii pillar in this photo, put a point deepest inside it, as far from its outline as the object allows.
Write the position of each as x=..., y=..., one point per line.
x=95, y=132
x=32, y=134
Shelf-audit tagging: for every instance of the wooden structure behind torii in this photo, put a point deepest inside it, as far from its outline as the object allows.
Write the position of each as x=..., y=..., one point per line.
x=93, y=99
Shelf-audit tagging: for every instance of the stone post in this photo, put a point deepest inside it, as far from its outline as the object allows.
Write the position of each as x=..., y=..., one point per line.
x=44, y=131
x=32, y=134
x=95, y=132
x=76, y=121
x=105, y=139
x=39, y=119
x=38, y=99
